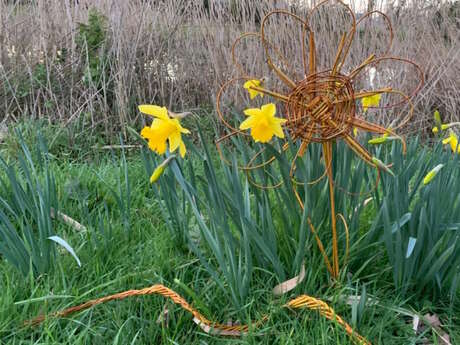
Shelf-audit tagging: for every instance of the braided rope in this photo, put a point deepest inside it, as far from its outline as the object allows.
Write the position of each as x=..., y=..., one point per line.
x=208, y=326
x=304, y=301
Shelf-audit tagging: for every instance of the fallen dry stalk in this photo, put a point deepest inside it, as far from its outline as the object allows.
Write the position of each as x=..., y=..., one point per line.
x=67, y=220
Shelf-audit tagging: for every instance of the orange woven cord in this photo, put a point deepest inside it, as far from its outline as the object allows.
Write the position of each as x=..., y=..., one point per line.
x=304, y=301
x=208, y=326
x=154, y=289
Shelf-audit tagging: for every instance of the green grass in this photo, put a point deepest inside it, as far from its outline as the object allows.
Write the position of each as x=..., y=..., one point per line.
x=115, y=258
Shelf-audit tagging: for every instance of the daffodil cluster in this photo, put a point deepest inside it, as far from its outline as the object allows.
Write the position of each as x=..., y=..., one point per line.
x=452, y=139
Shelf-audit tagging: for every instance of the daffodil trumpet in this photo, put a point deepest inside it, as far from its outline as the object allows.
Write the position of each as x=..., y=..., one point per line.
x=432, y=173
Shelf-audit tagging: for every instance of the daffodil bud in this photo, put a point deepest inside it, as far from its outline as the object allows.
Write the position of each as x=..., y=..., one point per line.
x=437, y=116
x=379, y=140
x=446, y=141
x=443, y=127
x=378, y=163
x=157, y=173
x=432, y=173
x=159, y=170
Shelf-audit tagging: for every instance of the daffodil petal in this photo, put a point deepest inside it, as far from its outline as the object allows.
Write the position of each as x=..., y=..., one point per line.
x=252, y=112
x=182, y=149
x=269, y=109
x=184, y=130
x=370, y=101
x=278, y=131
x=154, y=110
x=174, y=141
x=251, y=83
x=253, y=93
x=246, y=124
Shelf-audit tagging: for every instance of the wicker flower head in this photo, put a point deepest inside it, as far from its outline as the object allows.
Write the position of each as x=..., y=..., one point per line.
x=319, y=107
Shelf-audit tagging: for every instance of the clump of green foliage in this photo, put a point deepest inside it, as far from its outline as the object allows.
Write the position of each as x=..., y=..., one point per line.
x=419, y=223
x=92, y=42
x=28, y=200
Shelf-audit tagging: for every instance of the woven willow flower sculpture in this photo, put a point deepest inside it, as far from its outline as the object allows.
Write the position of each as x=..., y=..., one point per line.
x=321, y=107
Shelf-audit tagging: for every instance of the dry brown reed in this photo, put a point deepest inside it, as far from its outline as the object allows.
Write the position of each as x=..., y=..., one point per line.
x=178, y=53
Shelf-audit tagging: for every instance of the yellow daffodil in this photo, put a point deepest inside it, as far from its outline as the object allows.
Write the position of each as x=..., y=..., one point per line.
x=432, y=173
x=371, y=101
x=163, y=129
x=248, y=86
x=263, y=123
x=453, y=141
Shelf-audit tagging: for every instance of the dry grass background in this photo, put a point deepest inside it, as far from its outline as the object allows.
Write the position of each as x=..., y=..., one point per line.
x=177, y=53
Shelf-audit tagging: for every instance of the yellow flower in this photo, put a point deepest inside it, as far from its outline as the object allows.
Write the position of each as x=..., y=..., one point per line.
x=453, y=141
x=371, y=101
x=163, y=129
x=432, y=173
x=263, y=123
x=253, y=93
x=355, y=131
